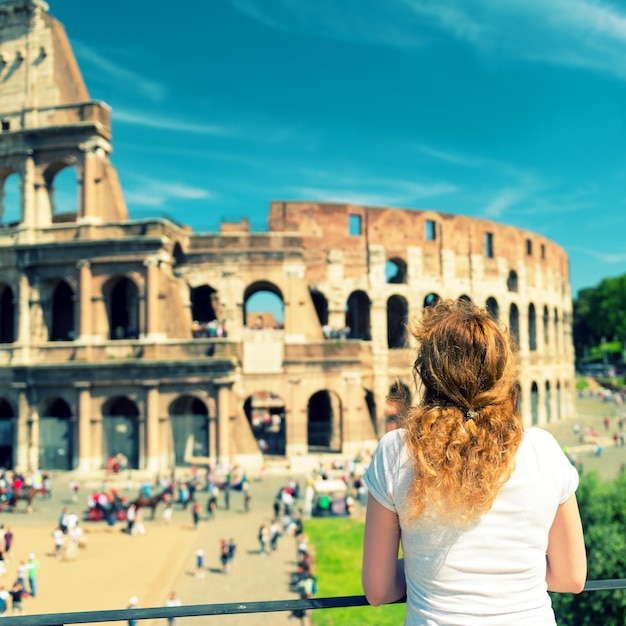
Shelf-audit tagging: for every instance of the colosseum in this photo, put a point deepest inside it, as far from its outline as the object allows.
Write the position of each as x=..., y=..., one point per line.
x=136, y=336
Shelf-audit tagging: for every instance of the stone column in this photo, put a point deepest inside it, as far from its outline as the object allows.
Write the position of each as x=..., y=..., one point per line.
x=85, y=308
x=213, y=432
x=29, y=199
x=223, y=419
x=85, y=461
x=23, y=428
x=86, y=200
x=23, y=312
x=152, y=296
x=152, y=426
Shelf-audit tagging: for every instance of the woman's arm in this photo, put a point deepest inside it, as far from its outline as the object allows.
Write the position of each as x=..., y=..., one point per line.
x=383, y=573
x=566, y=557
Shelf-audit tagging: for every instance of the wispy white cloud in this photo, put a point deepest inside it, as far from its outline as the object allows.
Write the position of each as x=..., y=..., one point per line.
x=371, y=192
x=115, y=73
x=145, y=191
x=163, y=122
x=605, y=257
x=587, y=34
x=503, y=200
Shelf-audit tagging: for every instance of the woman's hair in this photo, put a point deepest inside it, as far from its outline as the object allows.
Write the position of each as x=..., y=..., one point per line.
x=464, y=434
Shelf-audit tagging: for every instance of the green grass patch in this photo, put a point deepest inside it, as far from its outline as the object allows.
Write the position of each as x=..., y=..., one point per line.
x=338, y=545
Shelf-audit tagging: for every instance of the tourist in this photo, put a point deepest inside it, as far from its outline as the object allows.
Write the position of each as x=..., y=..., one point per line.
x=199, y=563
x=487, y=510
x=172, y=600
x=59, y=539
x=132, y=604
x=32, y=570
x=195, y=513
x=16, y=593
x=224, y=556
x=4, y=601
x=232, y=551
x=263, y=537
x=8, y=542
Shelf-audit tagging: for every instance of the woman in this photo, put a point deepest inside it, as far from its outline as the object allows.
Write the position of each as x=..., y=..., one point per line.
x=485, y=510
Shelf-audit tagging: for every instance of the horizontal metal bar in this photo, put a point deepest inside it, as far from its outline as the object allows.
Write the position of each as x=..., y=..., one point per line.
x=232, y=608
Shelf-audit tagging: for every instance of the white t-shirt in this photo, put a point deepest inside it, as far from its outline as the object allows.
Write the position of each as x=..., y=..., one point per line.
x=493, y=571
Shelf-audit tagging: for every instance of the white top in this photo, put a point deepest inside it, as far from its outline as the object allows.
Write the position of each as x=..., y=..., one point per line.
x=492, y=572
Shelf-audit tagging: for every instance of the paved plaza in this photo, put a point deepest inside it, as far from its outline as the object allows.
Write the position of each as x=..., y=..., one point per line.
x=115, y=566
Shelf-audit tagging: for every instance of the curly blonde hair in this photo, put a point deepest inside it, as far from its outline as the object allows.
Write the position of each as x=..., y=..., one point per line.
x=464, y=434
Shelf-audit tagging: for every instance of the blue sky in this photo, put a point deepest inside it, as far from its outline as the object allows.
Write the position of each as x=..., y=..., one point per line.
x=512, y=111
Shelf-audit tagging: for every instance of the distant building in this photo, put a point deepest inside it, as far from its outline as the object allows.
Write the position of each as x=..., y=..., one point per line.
x=134, y=337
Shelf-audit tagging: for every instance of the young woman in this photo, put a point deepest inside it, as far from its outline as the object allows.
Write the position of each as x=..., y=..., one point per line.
x=485, y=510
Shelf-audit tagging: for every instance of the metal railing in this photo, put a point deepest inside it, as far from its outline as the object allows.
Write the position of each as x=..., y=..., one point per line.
x=232, y=608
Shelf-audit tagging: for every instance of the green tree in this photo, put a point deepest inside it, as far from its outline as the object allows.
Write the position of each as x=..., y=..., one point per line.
x=603, y=513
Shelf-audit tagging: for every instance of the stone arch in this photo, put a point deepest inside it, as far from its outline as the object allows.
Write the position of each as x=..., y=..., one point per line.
x=532, y=328
x=62, y=325
x=546, y=326
x=512, y=283
x=465, y=297
x=263, y=305
x=204, y=304
x=556, y=328
x=320, y=302
x=266, y=415
x=189, y=423
x=7, y=314
x=492, y=308
x=358, y=316
x=514, y=322
x=396, y=271
x=324, y=422
x=534, y=403
x=62, y=187
x=57, y=436
x=397, y=319
x=548, y=402
x=430, y=299
x=8, y=435
x=10, y=198
x=559, y=408
x=122, y=304
x=120, y=425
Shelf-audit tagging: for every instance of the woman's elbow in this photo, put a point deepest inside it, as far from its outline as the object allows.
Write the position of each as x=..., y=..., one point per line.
x=570, y=582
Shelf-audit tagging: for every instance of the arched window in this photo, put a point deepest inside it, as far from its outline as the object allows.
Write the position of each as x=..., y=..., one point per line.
x=396, y=271
x=534, y=403
x=8, y=431
x=397, y=318
x=493, y=309
x=431, y=299
x=123, y=309
x=321, y=306
x=56, y=436
x=266, y=415
x=7, y=315
x=532, y=328
x=511, y=282
x=120, y=425
x=10, y=199
x=514, y=322
x=189, y=420
x=358, y=316
x=546, y=325
x=62, y=327
x=324, y=422
x=204, y=304
x=263, y=306
x=548, y=401
x=63, y=192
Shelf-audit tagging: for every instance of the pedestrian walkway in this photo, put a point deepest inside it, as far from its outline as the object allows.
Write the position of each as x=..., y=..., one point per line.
x=115, y=566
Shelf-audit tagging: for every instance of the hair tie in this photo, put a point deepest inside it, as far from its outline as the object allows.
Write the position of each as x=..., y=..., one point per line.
x=470, y=414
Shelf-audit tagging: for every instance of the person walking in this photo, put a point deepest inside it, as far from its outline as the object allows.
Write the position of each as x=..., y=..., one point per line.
x=195, y=513
x=232, y=551
x=486, y=509
x=4, y=601
x=224, y=556
x=263, y=539
x=17, y=593
x=199, y=563
x=32, y=570
x=172, y=600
